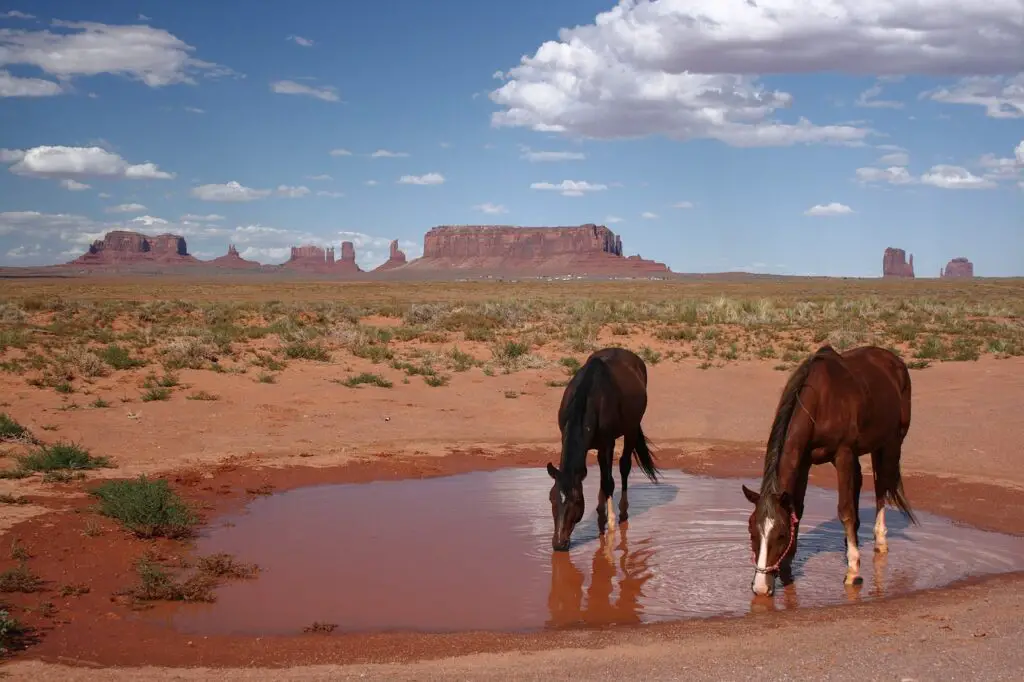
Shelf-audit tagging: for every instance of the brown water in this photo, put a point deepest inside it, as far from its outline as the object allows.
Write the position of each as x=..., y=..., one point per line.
x=473, y=552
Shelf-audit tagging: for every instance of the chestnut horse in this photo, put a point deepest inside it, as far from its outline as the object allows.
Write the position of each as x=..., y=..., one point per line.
x=606, y=398
x=834, y=408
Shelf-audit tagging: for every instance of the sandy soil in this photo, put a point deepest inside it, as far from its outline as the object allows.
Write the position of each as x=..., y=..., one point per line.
x=961, y=458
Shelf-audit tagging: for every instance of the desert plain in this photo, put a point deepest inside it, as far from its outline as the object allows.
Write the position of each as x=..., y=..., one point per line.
x=219, y=391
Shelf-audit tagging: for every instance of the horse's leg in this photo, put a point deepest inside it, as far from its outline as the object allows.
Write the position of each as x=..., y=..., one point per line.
x=878, y=459
x=848, y=469
x=605, y=513
x=625, y=466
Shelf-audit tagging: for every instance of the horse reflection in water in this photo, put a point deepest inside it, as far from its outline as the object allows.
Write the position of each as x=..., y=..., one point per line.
x=565, y=600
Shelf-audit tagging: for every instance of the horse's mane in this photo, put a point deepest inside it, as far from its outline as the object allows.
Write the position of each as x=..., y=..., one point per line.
x=783, y=415
x=574, y=452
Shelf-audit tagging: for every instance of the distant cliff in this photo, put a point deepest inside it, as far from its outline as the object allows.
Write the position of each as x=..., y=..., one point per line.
x=506, y=249
x=124, y=247
x=958, y=267
x=894, y=263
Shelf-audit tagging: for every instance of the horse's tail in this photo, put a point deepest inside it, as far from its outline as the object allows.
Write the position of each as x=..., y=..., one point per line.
x=595, y=370
x=643, y=457
x=892, y=477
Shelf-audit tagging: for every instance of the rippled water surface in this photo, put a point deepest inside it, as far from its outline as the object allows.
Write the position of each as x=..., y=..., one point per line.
x=473, y=551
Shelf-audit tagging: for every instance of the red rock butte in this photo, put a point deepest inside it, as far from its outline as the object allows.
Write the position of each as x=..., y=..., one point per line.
x=571, y=250
x=396, y=258
x=311, y=258
x=894, y=263
x=234, y=261
x=121, y=246
x=958, y=267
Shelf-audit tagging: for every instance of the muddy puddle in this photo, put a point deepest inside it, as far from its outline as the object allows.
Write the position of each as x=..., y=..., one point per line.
x=473, y=552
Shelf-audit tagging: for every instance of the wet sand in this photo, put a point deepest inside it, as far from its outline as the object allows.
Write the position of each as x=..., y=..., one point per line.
x=962, y=459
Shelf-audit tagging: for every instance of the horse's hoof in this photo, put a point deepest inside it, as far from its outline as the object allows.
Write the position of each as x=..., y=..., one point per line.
x=623, y=517
x=853, y=579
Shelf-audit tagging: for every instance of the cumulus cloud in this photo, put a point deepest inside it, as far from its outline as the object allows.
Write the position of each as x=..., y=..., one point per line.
x=895, y=159
x=1000, y=96
x=299, y=40
x=490, y=208
x=612, y=219
x=943, y=176
x=570, y=188
x=426, y=179
x=327, y=93
x=15, y=14
x=894, y=175
x=195, y=110
x=688, y=68
x=59, y=162
x=125, y=208
x=13, y=86
x=150, y=55
x=648, y=215
x=869, y=99
x=235, y=192
x=340, y=152
x=683, y=204
x=830, y=209
x=387, y=154
x=195, y=218
x=74, y=185
x=330, y=194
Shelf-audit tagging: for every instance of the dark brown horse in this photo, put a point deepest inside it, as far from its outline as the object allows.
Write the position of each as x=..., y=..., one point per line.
x=834, y=408
x=605, y=399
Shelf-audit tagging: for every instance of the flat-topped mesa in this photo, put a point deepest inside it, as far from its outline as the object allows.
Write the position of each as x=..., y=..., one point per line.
x=126, y=247
x=396, y=258
x=894, y=263
x=958, y=267
x=578, y=249
x=312, y=258
x=234, y=261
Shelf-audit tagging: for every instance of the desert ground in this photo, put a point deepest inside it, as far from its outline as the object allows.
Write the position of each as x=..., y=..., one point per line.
x=221, y=391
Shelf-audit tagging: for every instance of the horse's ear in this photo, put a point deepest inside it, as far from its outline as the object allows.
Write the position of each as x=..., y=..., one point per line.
x=552, y=471
x=786, y=501
x=751, y=496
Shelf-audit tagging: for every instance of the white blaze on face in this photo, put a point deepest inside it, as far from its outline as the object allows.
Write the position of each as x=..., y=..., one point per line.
x=760, y=578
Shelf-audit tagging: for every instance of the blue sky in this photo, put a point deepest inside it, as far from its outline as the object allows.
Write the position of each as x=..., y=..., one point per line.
x=909, y=137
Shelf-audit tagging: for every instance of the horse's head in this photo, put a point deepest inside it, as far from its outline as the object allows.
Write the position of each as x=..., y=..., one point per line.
x=772, y=527
x=566, y=504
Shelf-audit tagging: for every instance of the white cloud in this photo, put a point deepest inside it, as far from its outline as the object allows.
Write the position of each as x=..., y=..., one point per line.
x=895, y=159
x=340, y=152
x=326, y=193
x=319, y=178
x=15, y=14
x=48, y=161
x=612, y=219
x=13, y=86
x=943, y=176
x=148, y=221
x=150, y=55
x=954, y=177
x=570, y=188
x=299, y=40
x=894, y=175
x=327, y=93
x=74, y=185
x=551, y=156
x=235, y=192
x=685, y=68
x=292, y=192
x=1001, y=96
x=371, y=183
x=831, y=209
x=488, y=207
x=228, y=192
x=385, y=154
x=125, y=208
x=195, y=110
x=426, y=179
x=683, y=204
x=869, y=98
x=1019, y=153
x=194, y=218
x=649, y=215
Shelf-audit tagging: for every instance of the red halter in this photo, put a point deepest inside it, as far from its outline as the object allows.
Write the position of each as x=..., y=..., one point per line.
x=792, y=538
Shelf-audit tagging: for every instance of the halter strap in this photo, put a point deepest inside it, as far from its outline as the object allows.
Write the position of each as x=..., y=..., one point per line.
x=792, y=538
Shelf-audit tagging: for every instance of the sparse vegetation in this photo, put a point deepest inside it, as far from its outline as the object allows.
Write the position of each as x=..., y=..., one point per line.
x=12, y=430
x=61, y=456
x=148, y=508
x=365, y=379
